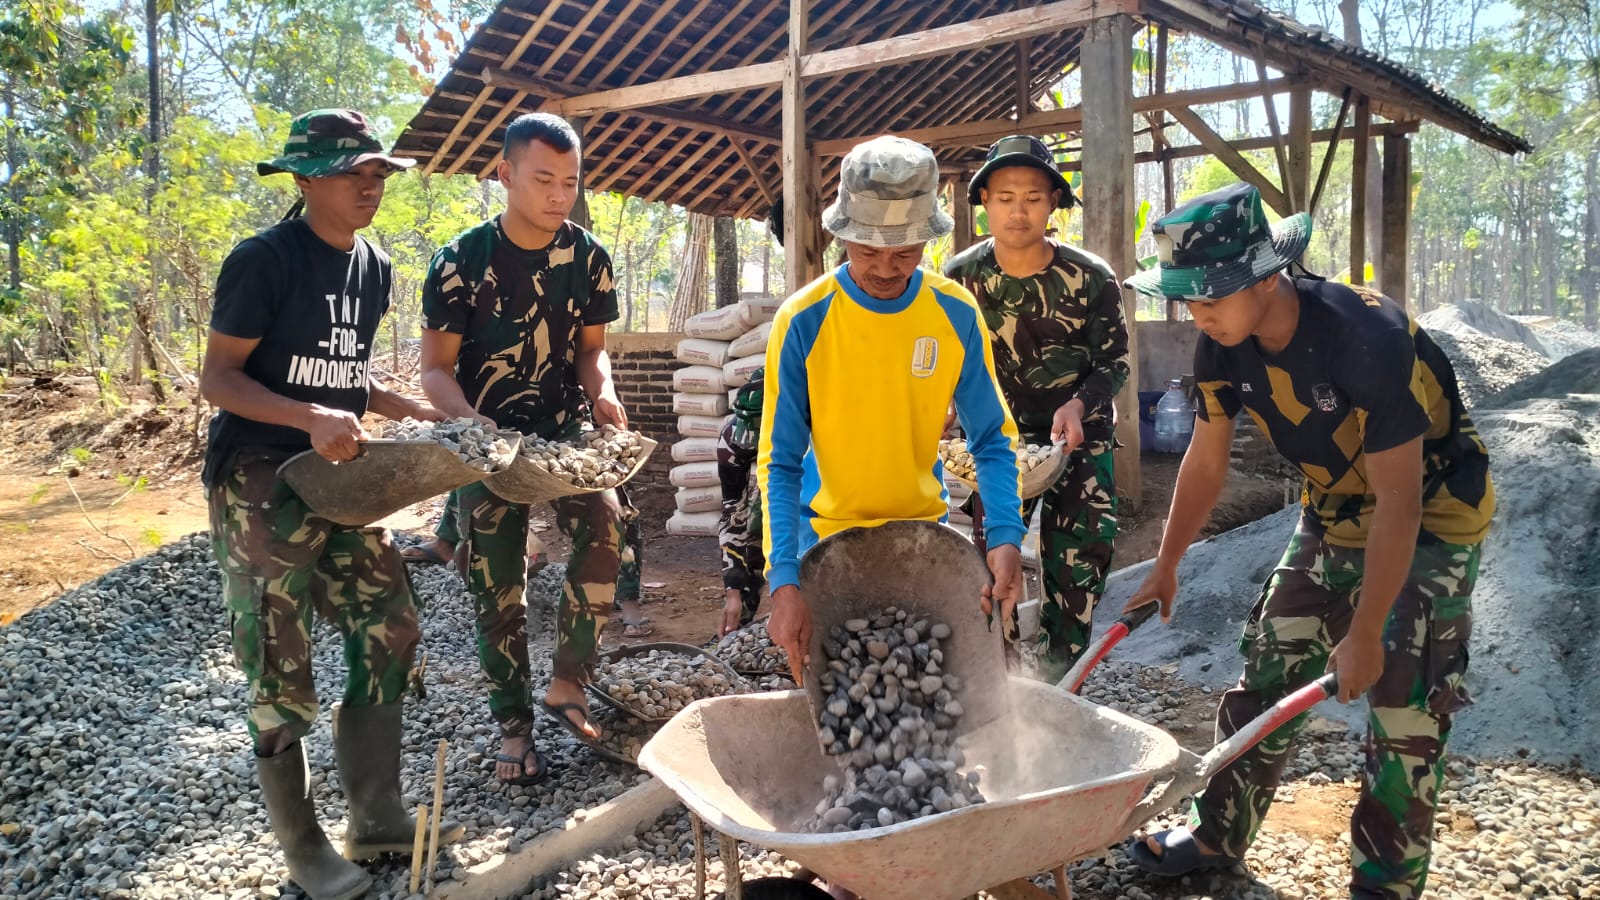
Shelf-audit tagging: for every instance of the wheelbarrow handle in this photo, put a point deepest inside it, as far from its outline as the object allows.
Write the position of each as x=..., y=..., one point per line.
x=1274, y=718
x=1192, y=772
x=1073, y=682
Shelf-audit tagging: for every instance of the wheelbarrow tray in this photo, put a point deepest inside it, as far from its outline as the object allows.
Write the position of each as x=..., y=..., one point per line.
x=1064, y=780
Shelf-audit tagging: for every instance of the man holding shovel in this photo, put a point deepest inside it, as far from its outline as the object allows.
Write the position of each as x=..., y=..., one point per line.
x=1376, y=585
x=861, y=367
x=515, y=312
x=297, y=308
x=1054, y=313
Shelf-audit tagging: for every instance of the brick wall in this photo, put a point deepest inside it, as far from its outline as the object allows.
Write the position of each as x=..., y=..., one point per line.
x=642, y=365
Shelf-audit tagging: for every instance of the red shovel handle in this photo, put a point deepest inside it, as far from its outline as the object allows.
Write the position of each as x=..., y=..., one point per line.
x=1268, y=722
x=1073, y=682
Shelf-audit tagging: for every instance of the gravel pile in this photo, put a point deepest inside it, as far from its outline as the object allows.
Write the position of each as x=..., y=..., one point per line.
x=1486, y=365
x=128, y=772
x=1560, y=337
x=474, y=443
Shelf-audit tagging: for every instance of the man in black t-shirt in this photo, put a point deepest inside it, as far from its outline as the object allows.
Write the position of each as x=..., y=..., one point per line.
x=297, y=308
x=1376, y=584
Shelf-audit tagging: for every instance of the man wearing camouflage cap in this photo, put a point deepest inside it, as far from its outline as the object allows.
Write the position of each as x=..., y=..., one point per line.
x=297, y=307
x=1376, y=583
x=878, y=334
x=1061, y=351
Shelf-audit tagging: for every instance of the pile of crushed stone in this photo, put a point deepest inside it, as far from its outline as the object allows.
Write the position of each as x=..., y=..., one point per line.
x=1485, y=365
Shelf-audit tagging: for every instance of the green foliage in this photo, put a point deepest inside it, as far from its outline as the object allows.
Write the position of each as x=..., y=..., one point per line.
x=81, y=455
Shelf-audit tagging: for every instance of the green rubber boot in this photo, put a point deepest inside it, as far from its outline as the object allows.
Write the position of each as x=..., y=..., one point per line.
x=366, y=743
x=313, y=863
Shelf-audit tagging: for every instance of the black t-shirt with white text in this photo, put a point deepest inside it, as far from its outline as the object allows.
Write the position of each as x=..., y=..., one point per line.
x=315, y=310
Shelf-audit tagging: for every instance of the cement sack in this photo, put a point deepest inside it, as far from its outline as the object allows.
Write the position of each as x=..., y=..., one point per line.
x=699, y=404
x=701, y=352
x=722, y=324
x=750, y=343
x=695, y=450
x=958, y=489
x=703, y=524
x=699, y=474
x=700, y=380
x=700, y=499
x=738, y=371
x=762, y=309
x=701, y=426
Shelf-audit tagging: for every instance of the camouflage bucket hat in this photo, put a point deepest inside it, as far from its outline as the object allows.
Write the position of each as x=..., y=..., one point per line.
x=1021, y=150
x=888, y=195
x=328, y=142
x=1219, y=244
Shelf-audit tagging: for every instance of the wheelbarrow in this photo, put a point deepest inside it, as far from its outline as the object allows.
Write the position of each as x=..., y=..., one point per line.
x=1064, y=780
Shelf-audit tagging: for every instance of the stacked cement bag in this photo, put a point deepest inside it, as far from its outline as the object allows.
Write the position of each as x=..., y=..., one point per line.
x=723, y=347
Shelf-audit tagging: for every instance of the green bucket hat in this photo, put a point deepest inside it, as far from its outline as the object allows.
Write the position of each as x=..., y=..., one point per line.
x=1021, y=150
x=1219, y=244
x=328, y=142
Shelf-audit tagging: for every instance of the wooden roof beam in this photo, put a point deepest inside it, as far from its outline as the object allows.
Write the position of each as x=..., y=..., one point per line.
x=1070, y=119
x=942, y=41
x=1231, y=157
x=1256, y=143
x=686, y=118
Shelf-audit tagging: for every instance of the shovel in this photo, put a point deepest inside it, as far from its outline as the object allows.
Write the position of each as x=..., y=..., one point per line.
x=386, y=476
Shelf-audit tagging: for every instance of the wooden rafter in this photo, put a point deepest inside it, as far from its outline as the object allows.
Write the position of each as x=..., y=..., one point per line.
x=1258, y=143
x=688, y=118
x=1333, y=151
x=1230, y=157
x=1270, y=102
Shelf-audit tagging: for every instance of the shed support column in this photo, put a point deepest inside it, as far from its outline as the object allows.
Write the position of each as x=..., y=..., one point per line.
x=580, y=209
x=1299, y=187
x=1106, y=63
x=961, y=211
x=1358, y=191
x=1395, y=277
x=800, y=216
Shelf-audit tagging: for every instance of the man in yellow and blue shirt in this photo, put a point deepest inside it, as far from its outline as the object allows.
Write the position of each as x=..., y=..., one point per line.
x=862, y=365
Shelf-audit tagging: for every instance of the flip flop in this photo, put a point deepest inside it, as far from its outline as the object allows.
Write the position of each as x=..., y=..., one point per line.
x=424, y=553
x=560, y=714
x=1180, y=856
x=637, y=629
x=525, y=779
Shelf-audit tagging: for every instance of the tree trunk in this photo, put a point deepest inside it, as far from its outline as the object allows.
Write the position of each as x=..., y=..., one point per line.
x=690, y=297
x=143, y=309
x=1591, y=239
x=725, y=248
x=13, y=165
x=1547, y=258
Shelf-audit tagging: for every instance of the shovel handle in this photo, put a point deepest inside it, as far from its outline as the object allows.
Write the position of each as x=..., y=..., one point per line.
x=1073, y=682
x=1274, y=718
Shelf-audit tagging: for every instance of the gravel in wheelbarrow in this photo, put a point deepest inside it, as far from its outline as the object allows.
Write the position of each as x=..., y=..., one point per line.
x=653, y=681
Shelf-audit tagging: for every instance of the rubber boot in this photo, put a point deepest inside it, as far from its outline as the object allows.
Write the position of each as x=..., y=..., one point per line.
x=366, y=742
x=314, y=865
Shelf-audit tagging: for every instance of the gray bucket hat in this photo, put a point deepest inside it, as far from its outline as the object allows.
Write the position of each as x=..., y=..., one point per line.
x=888, y=195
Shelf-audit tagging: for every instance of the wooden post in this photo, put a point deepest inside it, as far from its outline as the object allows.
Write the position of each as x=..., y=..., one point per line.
x=961, y=211
x=1358, y=191
x=1394, y=279
x=580, y=209
x=799, y=216
x=1024, y=73
x=1106, y=61
x=1299, y=187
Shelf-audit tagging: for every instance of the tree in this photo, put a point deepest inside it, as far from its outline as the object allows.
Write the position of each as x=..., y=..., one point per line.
x=725, y=249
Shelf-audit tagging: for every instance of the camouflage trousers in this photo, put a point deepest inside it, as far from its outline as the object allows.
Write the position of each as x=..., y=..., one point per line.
x=280, y=563
x=629, y=575
x=1077, y=533
x=492, y=563
x=1304, y=610
x=739, y=532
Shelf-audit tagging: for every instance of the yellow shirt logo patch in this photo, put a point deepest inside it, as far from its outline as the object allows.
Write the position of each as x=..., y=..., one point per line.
x=924, y=356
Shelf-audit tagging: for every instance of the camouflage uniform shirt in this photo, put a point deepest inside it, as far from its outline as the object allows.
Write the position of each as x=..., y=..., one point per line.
x=1057, y=335
x=519, y=313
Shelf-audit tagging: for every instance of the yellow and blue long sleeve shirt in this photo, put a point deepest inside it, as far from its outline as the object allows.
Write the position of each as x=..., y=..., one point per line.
x=857, y=391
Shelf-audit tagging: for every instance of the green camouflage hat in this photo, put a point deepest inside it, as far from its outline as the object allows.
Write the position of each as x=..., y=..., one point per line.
x=888, y=195
x=328, y=142
x=1021, y=150
x=1219, y=244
